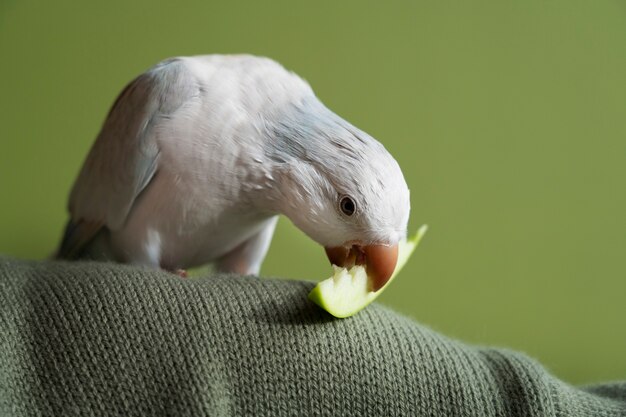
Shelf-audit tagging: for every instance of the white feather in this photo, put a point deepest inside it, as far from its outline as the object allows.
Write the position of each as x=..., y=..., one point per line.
x=200, y=152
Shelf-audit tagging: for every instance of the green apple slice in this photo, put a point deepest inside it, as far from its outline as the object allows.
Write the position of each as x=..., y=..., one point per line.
x=346, y=292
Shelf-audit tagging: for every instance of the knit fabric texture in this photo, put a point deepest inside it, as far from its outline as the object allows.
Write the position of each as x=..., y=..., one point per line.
x=95, y=339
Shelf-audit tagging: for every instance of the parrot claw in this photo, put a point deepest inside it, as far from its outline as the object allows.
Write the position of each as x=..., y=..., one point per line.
x=181, y=273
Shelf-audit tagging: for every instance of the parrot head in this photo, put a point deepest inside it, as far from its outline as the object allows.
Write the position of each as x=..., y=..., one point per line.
x=342, y=188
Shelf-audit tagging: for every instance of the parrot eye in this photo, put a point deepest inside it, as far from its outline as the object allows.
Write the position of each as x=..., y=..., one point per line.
x=347, y=205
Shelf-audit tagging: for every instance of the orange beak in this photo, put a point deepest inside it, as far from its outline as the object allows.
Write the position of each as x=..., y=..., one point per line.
x=379, y=260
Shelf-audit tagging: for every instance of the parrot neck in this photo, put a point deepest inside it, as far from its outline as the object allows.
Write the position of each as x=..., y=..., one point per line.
x=296, y=192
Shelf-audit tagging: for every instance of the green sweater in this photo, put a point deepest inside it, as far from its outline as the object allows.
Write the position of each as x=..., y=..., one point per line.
x=102, y=339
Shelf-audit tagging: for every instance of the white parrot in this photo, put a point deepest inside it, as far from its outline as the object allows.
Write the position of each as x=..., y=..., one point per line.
x=199, y=155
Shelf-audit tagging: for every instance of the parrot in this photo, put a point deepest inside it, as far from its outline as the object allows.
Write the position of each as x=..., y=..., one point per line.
x=200, y=155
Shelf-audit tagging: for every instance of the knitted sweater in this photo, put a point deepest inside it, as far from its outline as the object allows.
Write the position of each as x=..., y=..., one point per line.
x=89, y=339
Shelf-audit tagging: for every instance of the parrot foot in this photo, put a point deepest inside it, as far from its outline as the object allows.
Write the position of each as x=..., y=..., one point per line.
x=181, y=273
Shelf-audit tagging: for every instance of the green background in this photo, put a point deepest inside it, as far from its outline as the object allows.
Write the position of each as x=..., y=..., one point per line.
x=508, y=119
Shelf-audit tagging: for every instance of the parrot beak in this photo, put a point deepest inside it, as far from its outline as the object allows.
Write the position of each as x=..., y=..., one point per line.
x=379, y=260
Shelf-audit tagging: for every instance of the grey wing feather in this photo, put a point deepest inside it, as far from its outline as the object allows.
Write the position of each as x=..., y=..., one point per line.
x=125, y=155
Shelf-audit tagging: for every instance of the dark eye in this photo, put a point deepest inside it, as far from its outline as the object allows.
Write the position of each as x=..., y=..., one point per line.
x=347, y=205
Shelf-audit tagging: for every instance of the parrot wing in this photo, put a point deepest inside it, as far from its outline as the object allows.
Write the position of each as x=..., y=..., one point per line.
x=125, y=155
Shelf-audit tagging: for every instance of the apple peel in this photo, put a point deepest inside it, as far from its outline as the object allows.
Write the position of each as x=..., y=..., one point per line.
x=347, y=291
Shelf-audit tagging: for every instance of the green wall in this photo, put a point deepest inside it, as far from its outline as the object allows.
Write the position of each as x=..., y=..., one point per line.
x=508, y=119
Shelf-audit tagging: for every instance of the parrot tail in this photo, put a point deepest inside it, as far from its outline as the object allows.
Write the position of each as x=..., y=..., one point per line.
x=76, y=239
